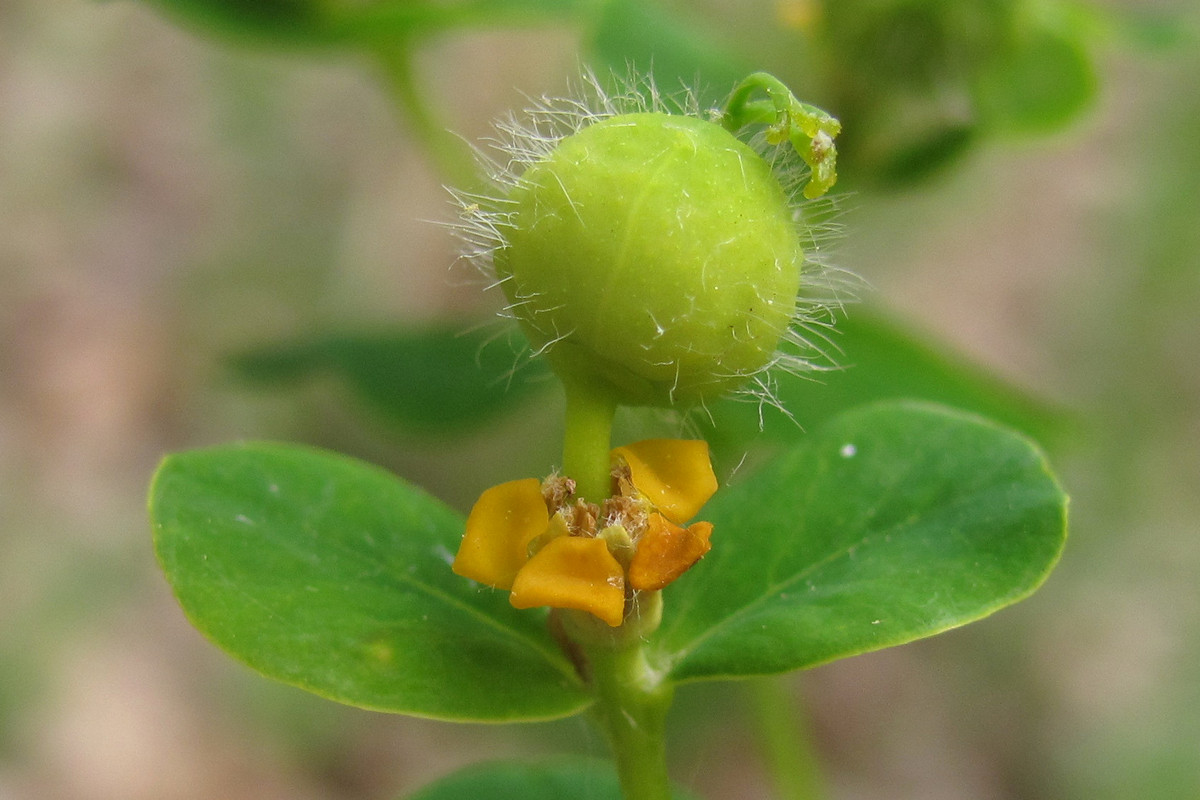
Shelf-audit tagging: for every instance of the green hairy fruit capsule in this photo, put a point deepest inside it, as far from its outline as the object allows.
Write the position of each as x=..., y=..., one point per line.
x=660, y=254
x=654, y=257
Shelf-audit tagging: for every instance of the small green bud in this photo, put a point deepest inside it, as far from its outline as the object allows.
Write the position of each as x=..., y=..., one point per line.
x=653, y=256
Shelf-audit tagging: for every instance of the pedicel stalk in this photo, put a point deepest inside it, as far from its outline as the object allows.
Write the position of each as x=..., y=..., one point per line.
x=656, y=255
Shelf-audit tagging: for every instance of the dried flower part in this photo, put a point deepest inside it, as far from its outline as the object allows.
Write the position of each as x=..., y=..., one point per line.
x=626, y=509
x=666, y=551
x=557, y=491
x=676, y=475
x=573, y=572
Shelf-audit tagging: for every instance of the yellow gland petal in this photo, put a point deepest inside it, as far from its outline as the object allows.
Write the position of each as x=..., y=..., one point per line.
x=666, y=551
x=675, y=474
x=573, y=572
x=504, y=520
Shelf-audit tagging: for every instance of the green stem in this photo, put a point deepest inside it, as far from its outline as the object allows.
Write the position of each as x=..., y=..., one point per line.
x=631, y=706
x=810, y=130
x=741, y=111
x=587, y=441
x=450, y=155
x=784, y=735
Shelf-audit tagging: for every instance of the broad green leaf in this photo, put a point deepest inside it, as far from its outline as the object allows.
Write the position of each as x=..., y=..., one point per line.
x=881, y=360
x=643, y=36
x=895, y=522
x=334, y=576
x=1043, y=83
x=436, y=380
x=560, y=779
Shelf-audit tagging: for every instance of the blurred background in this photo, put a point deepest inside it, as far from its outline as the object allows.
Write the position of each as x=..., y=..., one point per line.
x=173, y=194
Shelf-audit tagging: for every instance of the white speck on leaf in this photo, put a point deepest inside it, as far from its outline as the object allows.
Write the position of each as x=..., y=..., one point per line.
x=848, y=451
x=242, y=518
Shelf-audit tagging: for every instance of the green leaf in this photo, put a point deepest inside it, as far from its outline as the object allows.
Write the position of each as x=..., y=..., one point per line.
x=573, y=778
x=348, y=22
x=880, y=360
x=643, y=36
x=1039, y=86
x=895, y=522
x=911, y=161
x=437, y=380
x=334, y=576
x=268, y=21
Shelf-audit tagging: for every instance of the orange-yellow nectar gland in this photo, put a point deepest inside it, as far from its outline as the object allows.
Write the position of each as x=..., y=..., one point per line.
x=550, y=548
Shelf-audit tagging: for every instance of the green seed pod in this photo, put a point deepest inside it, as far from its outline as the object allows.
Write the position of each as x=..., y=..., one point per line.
x=653, y=255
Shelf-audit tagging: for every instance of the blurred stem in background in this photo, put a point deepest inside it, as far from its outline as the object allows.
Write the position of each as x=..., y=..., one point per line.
x=783, y=730
x=450, y=155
